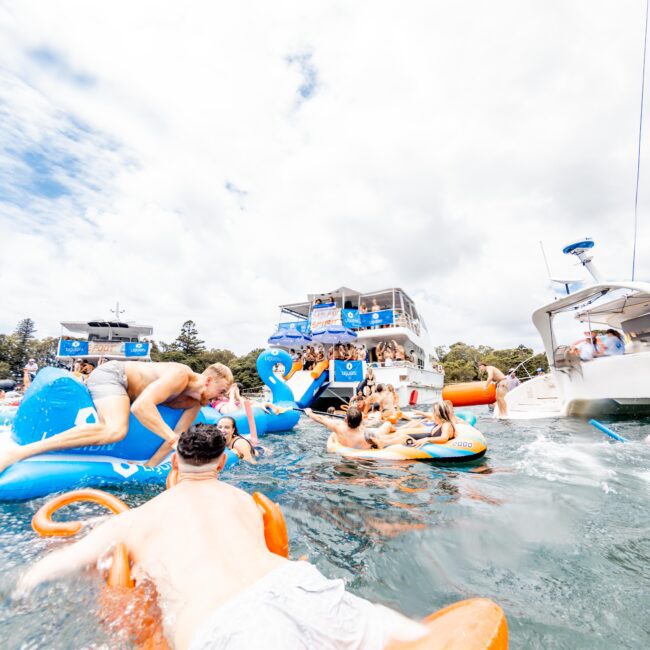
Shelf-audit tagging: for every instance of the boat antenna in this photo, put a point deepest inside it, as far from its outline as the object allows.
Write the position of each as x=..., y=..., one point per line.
x=117, y=311
x=638, y=157
x=548, y=268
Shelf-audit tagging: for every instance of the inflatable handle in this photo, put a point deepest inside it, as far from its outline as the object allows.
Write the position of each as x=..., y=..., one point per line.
x=42, y=521
x=275, y=527
x=478, y=623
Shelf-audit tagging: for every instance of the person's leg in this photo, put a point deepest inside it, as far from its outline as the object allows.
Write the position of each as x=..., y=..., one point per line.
x=113, y=424
x=501, y=400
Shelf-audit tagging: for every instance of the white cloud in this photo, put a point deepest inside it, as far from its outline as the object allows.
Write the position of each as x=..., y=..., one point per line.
x=235, y=158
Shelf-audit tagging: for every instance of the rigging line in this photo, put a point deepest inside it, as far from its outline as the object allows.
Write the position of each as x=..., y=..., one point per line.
x=638, y=159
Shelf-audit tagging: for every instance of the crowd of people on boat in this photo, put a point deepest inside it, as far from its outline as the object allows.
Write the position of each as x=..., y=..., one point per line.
x=610, y=343
x=385, y=353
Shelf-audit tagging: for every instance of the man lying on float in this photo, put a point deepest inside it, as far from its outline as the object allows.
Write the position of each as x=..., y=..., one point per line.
x=119, y=388
x=202, y=543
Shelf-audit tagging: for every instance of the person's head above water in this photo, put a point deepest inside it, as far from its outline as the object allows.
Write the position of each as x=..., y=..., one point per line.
x=218, y=379
x=443, y=411
x=353, y=417
x=228, y=428
x=200, y=449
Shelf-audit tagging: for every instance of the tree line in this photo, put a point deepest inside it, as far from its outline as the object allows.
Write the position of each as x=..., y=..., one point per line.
x=21, y=345
x=459, y=360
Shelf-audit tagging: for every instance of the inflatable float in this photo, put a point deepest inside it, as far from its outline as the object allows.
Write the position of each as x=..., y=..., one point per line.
x=469, y=444
x=56, y=402
x=471, y=393
x=477, y=623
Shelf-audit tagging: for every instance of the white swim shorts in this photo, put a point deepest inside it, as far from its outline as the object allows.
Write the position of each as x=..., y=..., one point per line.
x=295, y=607
x=108, y=380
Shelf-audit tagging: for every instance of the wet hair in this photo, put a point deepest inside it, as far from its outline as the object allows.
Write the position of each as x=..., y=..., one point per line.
x=201, y=444
x=443, y=411
x=331, y=410
x=380, y=388
x=353, y=417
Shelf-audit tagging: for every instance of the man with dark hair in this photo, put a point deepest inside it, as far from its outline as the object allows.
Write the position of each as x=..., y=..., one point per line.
x=202, y=544
x=351, y=431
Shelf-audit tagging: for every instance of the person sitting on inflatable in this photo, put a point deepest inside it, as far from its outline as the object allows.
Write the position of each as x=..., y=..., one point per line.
x=119, y=388
x=202, y=544
x=444, y=425
x=352, y=432
x=234, y=402
x=234, y=440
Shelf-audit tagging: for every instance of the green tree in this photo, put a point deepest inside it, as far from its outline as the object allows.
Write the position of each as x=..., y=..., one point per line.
x=22, y=338
x=5, y=370
x=188, y=340
x=245, y=370
x=44, y=351
x=6, y=349
x=217, y=356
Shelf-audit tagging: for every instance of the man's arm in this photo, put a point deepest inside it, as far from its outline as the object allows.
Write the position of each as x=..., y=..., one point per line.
x=332, y=425
x=157, y=392
x=75, y=556
x=182, y=425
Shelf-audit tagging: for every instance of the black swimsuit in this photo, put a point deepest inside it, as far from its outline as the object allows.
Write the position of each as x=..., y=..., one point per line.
x=237, y=437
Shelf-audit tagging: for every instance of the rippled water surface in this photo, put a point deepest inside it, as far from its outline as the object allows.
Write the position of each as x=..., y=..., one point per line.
x=553, y=525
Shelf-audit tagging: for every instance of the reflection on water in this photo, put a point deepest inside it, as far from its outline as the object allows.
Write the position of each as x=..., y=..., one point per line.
x=552, y=524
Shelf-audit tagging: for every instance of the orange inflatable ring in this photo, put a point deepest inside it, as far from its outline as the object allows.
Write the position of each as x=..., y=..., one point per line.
x=475, y=624
x=391, y=416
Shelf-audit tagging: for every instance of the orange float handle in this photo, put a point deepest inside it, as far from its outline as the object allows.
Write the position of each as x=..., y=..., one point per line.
x=275, y=527
x=45, y=526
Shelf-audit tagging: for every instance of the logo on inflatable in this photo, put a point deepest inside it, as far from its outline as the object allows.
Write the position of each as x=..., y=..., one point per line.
x=86, y=415
x=275, y=352
x=124, y=469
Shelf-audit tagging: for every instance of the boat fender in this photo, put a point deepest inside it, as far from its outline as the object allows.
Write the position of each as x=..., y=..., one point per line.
x=413, y=399
x=275, y=527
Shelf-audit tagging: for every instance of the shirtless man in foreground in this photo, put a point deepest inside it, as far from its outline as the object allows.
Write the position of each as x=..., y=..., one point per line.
x=351, y=431
x=202, y=543
x=494, y=375
x=119, y=388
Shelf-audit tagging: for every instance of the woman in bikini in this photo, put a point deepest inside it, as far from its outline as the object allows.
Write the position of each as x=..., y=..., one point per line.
x=235, y=441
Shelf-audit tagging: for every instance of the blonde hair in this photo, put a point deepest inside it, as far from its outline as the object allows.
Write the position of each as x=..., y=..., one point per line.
x=444, y=411
x=219, y=371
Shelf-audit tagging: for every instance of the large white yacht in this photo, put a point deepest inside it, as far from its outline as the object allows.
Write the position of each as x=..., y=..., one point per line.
x=368, y=319
x=618, y=384
x=104, y=338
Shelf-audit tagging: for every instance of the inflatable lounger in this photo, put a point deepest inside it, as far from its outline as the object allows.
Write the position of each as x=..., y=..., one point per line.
x=469, y=444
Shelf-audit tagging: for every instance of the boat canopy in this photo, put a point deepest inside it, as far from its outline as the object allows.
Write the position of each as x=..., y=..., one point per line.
x=629, y=301
x=108, y=330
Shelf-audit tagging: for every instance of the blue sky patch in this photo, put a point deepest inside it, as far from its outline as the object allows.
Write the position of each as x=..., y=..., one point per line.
x=309, y=72
x=49, y=59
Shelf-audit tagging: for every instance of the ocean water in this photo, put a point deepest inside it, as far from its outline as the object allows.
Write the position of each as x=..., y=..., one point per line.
x=553, y=524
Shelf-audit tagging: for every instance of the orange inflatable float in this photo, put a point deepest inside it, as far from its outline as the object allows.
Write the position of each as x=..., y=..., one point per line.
x=472, y=393
x=476, y=624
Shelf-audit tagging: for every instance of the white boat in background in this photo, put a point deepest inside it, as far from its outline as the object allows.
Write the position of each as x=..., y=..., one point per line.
x=108, y=339
x=618, y=385
x=395, y=317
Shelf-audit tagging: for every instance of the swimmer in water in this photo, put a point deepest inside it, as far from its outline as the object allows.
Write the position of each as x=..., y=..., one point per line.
x=202, y=544
x=119, y=388
x=235, y=441
x=352, y=432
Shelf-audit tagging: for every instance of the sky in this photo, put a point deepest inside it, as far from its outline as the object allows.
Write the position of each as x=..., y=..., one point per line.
x=211, y=161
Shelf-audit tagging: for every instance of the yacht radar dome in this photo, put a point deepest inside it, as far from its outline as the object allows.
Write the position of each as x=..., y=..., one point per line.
x=580, y=249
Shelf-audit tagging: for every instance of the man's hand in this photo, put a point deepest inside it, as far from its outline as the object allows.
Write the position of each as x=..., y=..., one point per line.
x=308, y=412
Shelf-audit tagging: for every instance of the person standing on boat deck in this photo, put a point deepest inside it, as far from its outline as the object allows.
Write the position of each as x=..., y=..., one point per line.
x=495, y=376
x=29, y=372
x=119, y=388
x=202, y=544
x=613, y=343
x=512, y=379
